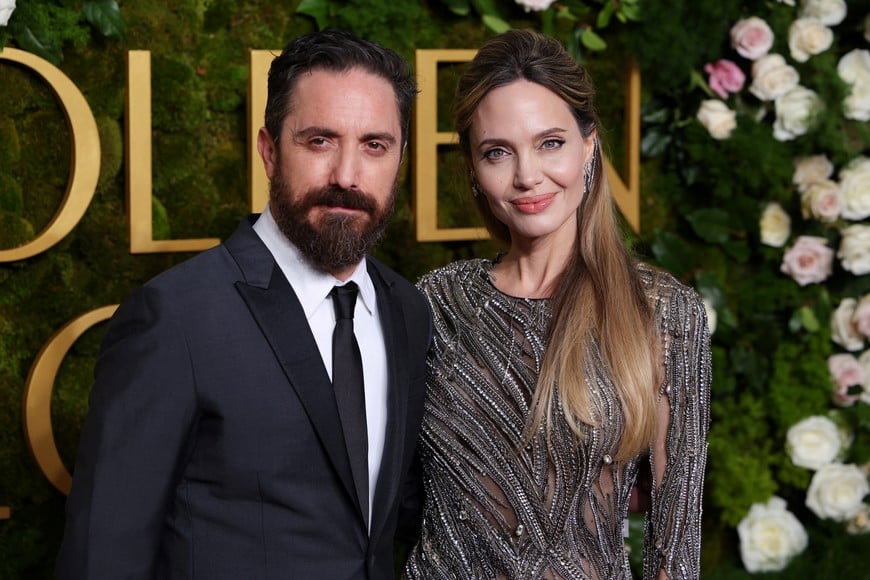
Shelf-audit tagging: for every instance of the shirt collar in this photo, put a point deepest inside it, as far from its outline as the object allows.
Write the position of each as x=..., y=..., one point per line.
x=312, y=286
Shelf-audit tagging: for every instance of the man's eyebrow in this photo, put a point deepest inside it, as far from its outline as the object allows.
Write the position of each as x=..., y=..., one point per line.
x=315, y=131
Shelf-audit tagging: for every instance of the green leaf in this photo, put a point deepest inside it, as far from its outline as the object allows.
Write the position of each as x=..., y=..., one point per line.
x=458, y=7
x=592, y=41
x=809, y=319
x=27, y=40
x=654, y=142
x=604, y=16
x=495, y=23
x=711, y=224
x=317, y=9
x=671, y=252
x=105, y=16
x=709, y=287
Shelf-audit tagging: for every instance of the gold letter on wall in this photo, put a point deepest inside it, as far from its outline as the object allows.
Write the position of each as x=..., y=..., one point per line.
x=427, y=138
x=85, y=166
x=37, y=396
x=139, y=164
x=260, y=61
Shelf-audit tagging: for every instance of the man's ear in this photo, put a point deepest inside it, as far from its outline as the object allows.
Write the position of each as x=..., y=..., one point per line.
x=268, y=151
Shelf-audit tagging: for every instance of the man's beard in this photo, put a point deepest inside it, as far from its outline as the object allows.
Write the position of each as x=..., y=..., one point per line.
x=334, y=241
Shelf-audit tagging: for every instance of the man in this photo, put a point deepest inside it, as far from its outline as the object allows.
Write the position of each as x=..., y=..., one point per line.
x=216, y=446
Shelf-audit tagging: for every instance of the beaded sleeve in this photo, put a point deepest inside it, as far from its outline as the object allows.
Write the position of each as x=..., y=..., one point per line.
x=672, y=538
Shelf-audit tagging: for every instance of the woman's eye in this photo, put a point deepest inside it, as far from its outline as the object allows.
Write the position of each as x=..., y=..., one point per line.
x=552, y=144
x=494, y=154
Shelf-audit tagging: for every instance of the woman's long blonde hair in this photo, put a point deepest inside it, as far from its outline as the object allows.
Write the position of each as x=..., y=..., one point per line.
x=599, y=296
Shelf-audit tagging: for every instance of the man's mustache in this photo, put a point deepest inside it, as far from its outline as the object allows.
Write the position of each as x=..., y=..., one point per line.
x=334, y=196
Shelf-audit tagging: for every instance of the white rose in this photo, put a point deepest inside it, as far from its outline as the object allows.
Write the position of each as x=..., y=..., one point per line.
x=770, y=536
x=795, y=111
x=855, y=185
x=854, y=66
x=711, y=315
x=7, y=7
x=830, y=12
x=808, y=170
x=808, y=37
x=717, y=118
x=843, y=330
x=836, y=491
x=854, y=252
x=536, y=5
x=772, y=77
x=856, y=105
x=822, y=200
x=813, y=442
x=775, y=225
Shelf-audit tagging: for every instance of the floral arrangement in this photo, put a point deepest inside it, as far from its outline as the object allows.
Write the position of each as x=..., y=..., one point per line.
x=43, y=27
x=821, y=224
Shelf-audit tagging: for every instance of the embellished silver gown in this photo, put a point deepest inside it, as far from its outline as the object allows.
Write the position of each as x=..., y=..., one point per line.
x=497, y=510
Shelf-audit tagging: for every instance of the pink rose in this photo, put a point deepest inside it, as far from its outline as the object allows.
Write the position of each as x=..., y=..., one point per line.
x=845, y=371
x=861, y=316
x=751, y=37
x=725, y=77
x=808, y=261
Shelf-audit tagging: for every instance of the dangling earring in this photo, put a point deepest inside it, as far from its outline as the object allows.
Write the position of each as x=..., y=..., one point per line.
x=589, y=168
x=475, y=187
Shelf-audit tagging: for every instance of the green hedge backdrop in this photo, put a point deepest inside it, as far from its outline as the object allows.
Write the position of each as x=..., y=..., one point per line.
x=702, y=199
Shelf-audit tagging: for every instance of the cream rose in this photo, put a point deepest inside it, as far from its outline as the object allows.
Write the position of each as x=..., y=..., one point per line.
x=772, y=77
x=775, y=225
x=770, y=536
x=808, y=261
x=795, y=111
x=751, y=37
x=856, y=105
x=855, y=185
x=717, y=118
x=836, y=491
x=813, y=442
x=822, y=200
x=854, y=66
x=535, y=5
x=808, y=37
x=854, y=252
x=843, y=330
x=830, y=12
x=861, y=316
x=7, y=7
x=808, y=170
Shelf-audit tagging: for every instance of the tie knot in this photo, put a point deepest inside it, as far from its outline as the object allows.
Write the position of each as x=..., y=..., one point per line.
x=344, y=300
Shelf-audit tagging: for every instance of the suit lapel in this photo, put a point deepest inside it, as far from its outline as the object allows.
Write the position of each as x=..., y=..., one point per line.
x=277, y=310
x=393, y=324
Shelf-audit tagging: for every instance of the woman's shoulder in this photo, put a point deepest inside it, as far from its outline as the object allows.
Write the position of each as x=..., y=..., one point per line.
x=458, y=272
x=667, y=294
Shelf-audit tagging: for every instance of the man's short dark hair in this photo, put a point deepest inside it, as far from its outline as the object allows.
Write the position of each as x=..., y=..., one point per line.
x=338, y=51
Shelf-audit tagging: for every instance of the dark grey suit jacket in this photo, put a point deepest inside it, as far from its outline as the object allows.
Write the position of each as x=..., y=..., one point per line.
x=213, y=446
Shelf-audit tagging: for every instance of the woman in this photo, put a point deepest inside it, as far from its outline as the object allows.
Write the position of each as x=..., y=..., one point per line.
x=561, y=367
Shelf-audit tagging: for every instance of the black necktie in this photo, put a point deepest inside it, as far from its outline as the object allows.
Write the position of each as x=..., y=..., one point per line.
x=347, y=380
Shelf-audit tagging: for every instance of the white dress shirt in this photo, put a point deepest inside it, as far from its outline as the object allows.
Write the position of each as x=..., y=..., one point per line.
x=312, y=287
